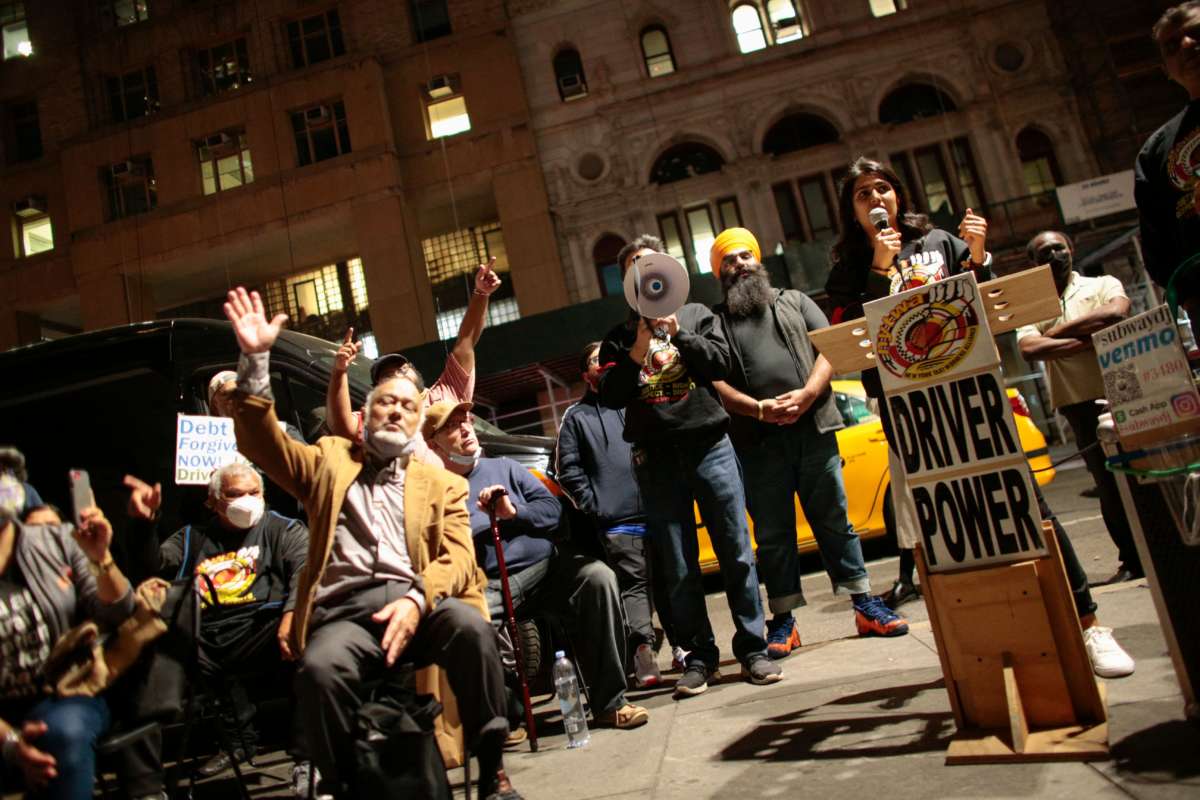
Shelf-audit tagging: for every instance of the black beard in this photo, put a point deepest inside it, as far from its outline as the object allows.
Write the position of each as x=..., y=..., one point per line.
x=748, y=294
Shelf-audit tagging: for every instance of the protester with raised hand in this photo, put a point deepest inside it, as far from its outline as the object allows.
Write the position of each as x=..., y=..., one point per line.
x=393, y=571
x=52, y=577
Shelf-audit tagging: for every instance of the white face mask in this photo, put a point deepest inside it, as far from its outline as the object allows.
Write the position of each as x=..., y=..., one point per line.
x=465, y=460
x=389, y=445
x=244, y=512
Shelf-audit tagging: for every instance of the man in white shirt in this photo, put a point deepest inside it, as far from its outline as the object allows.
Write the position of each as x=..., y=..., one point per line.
x=1065, y=345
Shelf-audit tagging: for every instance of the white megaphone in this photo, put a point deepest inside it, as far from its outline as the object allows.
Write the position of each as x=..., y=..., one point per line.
x=656, y=285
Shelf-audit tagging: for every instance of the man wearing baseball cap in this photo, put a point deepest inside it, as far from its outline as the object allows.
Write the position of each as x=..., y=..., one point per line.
x=556, y=580
x=783, y=429
x=457, y=381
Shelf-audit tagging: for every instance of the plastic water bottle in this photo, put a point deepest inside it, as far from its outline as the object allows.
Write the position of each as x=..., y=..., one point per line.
x=566, y=684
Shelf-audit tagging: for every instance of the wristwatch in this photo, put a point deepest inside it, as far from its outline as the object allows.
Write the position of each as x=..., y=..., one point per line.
x=98, y=568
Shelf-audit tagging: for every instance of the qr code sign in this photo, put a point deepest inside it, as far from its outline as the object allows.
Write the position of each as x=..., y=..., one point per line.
x=1121, y=385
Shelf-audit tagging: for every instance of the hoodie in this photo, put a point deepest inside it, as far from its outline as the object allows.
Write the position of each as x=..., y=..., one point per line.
x=594, y=463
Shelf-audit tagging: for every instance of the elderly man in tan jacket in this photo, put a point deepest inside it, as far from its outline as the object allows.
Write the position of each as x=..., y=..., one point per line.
x=391, y=567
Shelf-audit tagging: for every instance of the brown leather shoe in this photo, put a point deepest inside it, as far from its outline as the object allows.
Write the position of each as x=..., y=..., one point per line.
x=625, y=717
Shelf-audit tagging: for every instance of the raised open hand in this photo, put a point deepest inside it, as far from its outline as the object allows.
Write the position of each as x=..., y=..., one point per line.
x=245, y=310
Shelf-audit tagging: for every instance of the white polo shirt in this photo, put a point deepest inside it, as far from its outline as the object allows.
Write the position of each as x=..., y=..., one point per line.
x=1076, y=378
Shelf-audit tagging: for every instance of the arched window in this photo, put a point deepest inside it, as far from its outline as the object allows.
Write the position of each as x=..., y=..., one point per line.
x=656, y=49
x=797, y=132
x=748, y=27
x=785, y=21
x=1038, y=164
x=608, y=270
x=914, y=101
x=683, y=161
x=568, y=73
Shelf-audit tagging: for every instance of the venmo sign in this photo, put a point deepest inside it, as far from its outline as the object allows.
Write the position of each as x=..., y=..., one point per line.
x=952, y=424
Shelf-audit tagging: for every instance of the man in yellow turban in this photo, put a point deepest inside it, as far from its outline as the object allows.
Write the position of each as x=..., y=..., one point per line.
x=733, y=240
x=783, y=427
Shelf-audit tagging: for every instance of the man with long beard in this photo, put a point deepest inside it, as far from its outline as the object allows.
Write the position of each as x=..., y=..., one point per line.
x=783, y=423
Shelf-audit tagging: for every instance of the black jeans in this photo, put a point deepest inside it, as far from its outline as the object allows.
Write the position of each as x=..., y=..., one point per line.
x=344, y=651
x=1082, y=417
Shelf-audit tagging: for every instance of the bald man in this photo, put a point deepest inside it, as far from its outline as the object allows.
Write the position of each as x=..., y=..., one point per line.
x=783, y=429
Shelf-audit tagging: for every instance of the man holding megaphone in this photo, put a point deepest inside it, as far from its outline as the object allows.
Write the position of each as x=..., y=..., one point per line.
x=660, y=366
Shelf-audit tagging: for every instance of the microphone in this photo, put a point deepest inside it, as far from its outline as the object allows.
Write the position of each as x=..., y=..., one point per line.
x=878, y=217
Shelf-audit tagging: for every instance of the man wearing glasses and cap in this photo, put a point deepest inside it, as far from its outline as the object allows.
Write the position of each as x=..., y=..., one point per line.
x=456, y=383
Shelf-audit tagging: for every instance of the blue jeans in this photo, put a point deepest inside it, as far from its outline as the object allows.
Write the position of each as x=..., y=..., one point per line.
x=672, y=476
x=73, y=725
x=790, y=461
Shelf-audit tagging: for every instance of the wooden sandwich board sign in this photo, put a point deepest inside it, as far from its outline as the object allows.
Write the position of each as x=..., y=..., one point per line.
x=1019, y=679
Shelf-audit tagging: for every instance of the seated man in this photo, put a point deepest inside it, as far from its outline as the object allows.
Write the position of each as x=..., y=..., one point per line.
x=539, y=575
x=253, y=558
x=391, y=571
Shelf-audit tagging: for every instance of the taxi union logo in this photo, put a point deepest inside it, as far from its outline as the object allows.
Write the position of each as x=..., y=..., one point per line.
x=929, y=333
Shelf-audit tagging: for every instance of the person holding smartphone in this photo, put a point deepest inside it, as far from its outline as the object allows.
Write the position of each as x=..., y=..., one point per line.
x=52, y=577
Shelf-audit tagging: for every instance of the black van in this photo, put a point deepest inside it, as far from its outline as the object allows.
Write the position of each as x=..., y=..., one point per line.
x=107, y=401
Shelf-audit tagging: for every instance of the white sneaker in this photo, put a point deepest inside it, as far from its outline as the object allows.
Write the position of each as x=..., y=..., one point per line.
x=645, y=667
x=1109, y=659
x=678, y=659
x=300, y=781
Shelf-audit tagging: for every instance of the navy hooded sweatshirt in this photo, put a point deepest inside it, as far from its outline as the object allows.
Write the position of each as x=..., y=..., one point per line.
x=594, y=464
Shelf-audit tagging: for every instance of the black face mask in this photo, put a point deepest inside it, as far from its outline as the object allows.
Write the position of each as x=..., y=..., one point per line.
x=1060, y=263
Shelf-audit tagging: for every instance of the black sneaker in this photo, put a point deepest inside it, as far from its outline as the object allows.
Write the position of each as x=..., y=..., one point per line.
x=219, y=763
x=761, y=670
x=695, y=679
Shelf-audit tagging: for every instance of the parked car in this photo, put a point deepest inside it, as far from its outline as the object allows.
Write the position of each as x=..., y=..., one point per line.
x=865, y=468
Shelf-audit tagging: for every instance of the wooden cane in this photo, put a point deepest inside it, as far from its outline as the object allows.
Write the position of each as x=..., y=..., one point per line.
x=511, y=620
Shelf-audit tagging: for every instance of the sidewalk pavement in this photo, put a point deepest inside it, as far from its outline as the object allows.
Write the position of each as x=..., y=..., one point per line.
x=858, y=715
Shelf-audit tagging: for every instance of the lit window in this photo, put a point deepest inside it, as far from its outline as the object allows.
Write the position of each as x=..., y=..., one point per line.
x=37, y=235
x=668, y=226
x=222, y=68
x=322, y=301
x=699, y=222
x=315, y=39
x=14, y=30
x=119, y=13
x=131, y=187
x=321, y=132
x=451, y=260
x=881, y=8
x=656, y=49
x=22, y=132
x=448, y=116
x=358, y=284
x=132, y=95
x=785, y=21
x=748, y=27
x=224, y=162
x=1038, y=164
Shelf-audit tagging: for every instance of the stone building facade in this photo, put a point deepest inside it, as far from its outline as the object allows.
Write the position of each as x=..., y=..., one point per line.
x=345, y=156
x=752, y=111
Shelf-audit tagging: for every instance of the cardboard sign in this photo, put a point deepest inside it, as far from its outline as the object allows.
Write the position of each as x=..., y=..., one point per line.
x=203, y=445
x=1147, y=378
x=952, y=426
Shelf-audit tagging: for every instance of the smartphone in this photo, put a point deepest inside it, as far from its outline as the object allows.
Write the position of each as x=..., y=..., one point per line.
x=81, y=492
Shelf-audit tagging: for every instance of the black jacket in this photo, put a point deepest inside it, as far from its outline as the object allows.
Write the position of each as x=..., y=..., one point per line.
x=594, y=463
x=675, y=400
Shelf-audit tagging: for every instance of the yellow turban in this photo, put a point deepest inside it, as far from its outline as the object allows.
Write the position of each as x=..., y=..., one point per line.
x=732, y=240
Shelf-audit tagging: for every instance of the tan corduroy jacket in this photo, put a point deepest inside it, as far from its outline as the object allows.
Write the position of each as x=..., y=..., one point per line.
x=437, y=525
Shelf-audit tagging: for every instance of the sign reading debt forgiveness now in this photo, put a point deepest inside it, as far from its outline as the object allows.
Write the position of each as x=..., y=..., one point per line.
x=203, y=445
x=953, y=428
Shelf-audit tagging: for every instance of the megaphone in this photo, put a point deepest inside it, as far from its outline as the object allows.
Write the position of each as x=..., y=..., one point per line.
x=656, y=285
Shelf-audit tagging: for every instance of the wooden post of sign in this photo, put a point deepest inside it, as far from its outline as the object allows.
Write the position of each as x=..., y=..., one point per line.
x=1020, y=682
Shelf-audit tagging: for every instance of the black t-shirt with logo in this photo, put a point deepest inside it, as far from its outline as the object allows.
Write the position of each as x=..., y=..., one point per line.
x=1165, y=180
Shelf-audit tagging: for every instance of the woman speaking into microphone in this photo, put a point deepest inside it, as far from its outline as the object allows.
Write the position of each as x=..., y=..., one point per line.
x=885, y=248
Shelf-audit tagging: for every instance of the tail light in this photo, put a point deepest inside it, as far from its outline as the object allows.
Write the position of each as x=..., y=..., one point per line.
x=1018, y=404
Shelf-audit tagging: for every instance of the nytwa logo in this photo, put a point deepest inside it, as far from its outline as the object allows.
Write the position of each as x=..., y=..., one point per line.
x=929, y=333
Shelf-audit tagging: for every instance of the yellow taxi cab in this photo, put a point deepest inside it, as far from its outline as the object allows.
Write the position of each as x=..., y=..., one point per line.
x=865, y=468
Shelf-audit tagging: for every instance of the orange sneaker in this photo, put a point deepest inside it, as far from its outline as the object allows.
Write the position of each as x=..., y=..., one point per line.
x=782, y=636
x=873, y=618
